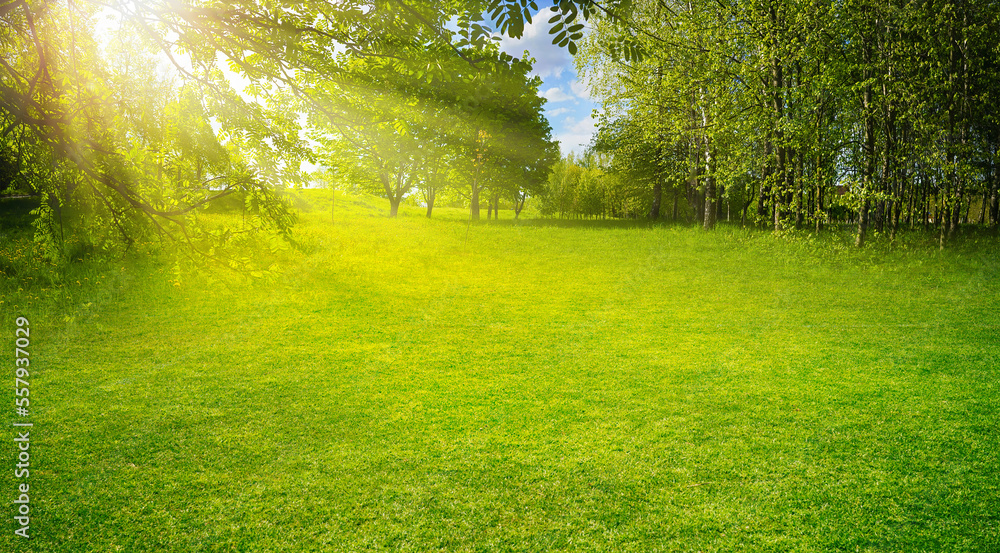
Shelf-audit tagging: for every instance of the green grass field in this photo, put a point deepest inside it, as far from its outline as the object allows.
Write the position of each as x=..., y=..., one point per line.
x=416, y=385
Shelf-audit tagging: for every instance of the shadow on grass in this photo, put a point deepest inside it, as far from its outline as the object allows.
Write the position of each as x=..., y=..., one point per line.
x=15, y=212
x=584, y=223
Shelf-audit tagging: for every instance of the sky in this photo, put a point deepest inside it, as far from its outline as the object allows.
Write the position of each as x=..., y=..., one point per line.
x=569, y=107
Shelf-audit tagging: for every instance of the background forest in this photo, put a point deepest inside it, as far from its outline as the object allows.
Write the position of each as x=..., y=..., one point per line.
x=799, y=113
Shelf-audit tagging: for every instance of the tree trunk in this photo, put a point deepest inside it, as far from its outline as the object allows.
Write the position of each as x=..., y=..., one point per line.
x=819, y=213
x=925, y=206
x=777, y=101
x=914, y=191
x=474, y=204
x=710, y=210
x=982, y=206
x=654, y=210
x=994, y=200
x=862, y=224
x=692, y=191
x=389, y=193
x=869, y=157
x=799, y=185
x=762, y=193
x=780, y=172
x=477, y=167
x=676, y=193
x=941, y=216
x=952, y=178
x=720, y=193
x=897, y=208
x=519, y=199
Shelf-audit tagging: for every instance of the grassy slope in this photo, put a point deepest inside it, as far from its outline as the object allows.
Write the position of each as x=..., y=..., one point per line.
x=414, y=385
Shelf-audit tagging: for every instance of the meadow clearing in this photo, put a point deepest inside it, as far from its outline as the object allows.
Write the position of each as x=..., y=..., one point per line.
x=426, y=385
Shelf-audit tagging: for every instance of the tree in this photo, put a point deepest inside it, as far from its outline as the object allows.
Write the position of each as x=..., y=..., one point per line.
x=111, y=128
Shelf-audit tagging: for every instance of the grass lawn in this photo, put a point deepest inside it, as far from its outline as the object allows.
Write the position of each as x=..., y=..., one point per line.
x=416, y=385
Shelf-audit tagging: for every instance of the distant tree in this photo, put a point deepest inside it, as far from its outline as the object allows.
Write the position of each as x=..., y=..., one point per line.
x=436, y=175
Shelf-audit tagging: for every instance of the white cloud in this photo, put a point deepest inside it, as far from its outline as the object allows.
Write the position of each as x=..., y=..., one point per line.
x=575, y=135
x=557, y=112
x=555, y=94
x=581, y=90
x=550, y=60
x=587, y=125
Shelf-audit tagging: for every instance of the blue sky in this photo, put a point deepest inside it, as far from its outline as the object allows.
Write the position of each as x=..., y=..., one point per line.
x=569, y=105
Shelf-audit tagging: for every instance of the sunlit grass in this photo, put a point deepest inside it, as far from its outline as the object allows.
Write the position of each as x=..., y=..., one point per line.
x=419, y=385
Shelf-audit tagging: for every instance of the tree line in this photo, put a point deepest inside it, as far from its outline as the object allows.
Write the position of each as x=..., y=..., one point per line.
x=786, y=110
x=479, y=135
x=794, y=108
